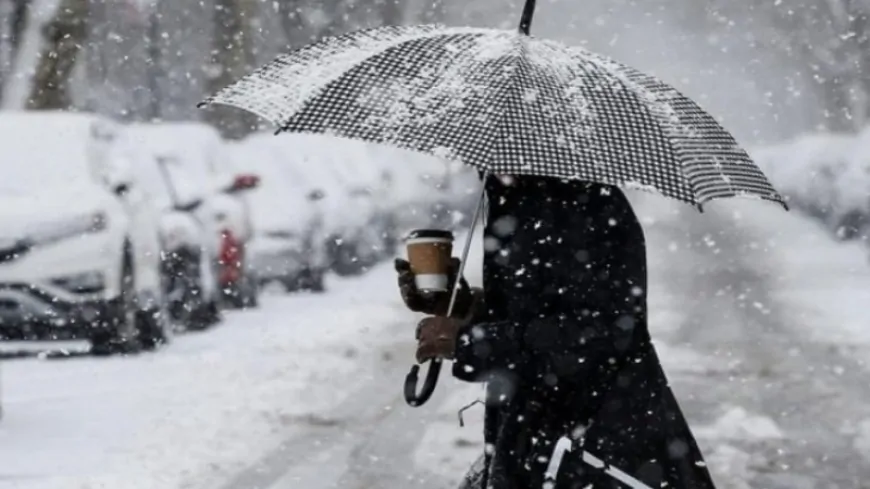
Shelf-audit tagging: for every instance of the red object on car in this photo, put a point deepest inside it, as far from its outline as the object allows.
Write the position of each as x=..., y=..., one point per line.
x=242, y=182
x=230, y=258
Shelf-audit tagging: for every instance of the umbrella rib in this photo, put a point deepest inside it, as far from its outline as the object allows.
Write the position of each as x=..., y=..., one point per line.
x=513, y=83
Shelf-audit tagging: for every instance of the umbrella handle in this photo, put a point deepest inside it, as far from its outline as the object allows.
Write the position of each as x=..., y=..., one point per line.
x=411, y=397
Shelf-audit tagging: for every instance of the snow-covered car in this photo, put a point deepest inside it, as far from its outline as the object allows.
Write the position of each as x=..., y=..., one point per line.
x=423, y=191
x=187, y=270
x=79, y=246
x=288, y=242
x=199, y=167
x=359, y=228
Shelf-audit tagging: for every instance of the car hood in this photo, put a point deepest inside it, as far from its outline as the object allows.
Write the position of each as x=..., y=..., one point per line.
x=21, y=214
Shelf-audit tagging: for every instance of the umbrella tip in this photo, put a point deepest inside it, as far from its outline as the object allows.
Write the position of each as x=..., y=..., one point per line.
x=526, y=19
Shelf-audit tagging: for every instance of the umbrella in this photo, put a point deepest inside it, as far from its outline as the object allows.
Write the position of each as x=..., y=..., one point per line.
x=504, y=102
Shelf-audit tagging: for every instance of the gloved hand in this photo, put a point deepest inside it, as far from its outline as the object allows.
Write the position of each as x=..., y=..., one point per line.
x=436, y=338
x=436, y=303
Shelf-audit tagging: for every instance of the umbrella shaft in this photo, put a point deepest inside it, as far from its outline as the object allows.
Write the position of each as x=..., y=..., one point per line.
x=526, y=19
x=477, y=212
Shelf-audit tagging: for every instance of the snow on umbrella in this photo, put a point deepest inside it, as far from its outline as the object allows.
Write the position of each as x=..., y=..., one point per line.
x=504, y=102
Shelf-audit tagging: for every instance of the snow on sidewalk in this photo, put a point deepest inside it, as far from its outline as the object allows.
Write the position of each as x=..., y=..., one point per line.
x=204, y=407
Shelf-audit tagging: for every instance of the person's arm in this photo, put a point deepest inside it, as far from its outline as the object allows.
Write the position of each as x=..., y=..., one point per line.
x=557, y=349
x=484, y=349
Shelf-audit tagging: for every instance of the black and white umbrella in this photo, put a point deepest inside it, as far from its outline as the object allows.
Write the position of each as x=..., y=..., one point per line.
x=506, y=103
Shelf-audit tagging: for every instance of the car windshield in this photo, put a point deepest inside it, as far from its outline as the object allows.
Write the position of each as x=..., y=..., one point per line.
x=171, y=170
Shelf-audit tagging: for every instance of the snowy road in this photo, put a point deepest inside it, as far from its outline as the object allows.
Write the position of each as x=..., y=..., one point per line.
x=774, y=406
x=737, y=314
x=761, y=327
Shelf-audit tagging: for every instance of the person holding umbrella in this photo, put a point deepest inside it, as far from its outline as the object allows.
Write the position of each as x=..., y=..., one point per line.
x=576, y=394
x=559, y=333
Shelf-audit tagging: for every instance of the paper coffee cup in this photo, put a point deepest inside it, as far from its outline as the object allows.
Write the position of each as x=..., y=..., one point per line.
x=429, y=253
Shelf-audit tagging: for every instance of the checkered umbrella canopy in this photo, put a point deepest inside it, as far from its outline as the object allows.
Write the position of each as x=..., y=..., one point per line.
x=507, y=103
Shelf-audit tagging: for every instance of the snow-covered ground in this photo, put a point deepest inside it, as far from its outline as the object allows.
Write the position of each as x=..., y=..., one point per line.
x=203, y=408
x=757, y=315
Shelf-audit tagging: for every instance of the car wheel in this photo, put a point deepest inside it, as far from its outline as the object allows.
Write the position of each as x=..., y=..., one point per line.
x=250, y=293
x=118, y=333
x=206, y=315
x=153, y=328
x=241, y=295
x=312, y=280
x=213, y=311
x=231, y=296
x=291, y=284
x=345, y=259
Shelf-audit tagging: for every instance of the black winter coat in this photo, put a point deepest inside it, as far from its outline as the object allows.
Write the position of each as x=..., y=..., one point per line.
x=562, y=342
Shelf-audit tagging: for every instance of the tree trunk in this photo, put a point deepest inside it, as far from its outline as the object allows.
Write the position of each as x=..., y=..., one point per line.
x=5, y=43
x=18, y=23
x=13, y=14
x=860, y=26
x=64, y=37
x=232, y=55
x=154, y=65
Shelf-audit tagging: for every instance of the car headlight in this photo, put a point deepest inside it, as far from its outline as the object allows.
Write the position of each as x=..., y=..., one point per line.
x=52, y=232
x=82, y=283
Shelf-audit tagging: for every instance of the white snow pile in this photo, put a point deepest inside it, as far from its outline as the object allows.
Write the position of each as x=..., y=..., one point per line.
x=736, y=423
x=733, y=466
x=826, y=176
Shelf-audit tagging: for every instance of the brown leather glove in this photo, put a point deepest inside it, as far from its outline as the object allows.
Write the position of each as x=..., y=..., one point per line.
x=437, y=303
x=436, y=338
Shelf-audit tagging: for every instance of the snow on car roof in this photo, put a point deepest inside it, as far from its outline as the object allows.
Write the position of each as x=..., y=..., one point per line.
x=353, y=162
x=195, y=146
x=72, y=130
x=48, y=148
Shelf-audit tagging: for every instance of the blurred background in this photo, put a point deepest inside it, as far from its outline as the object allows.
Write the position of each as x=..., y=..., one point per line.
x=130, y=220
